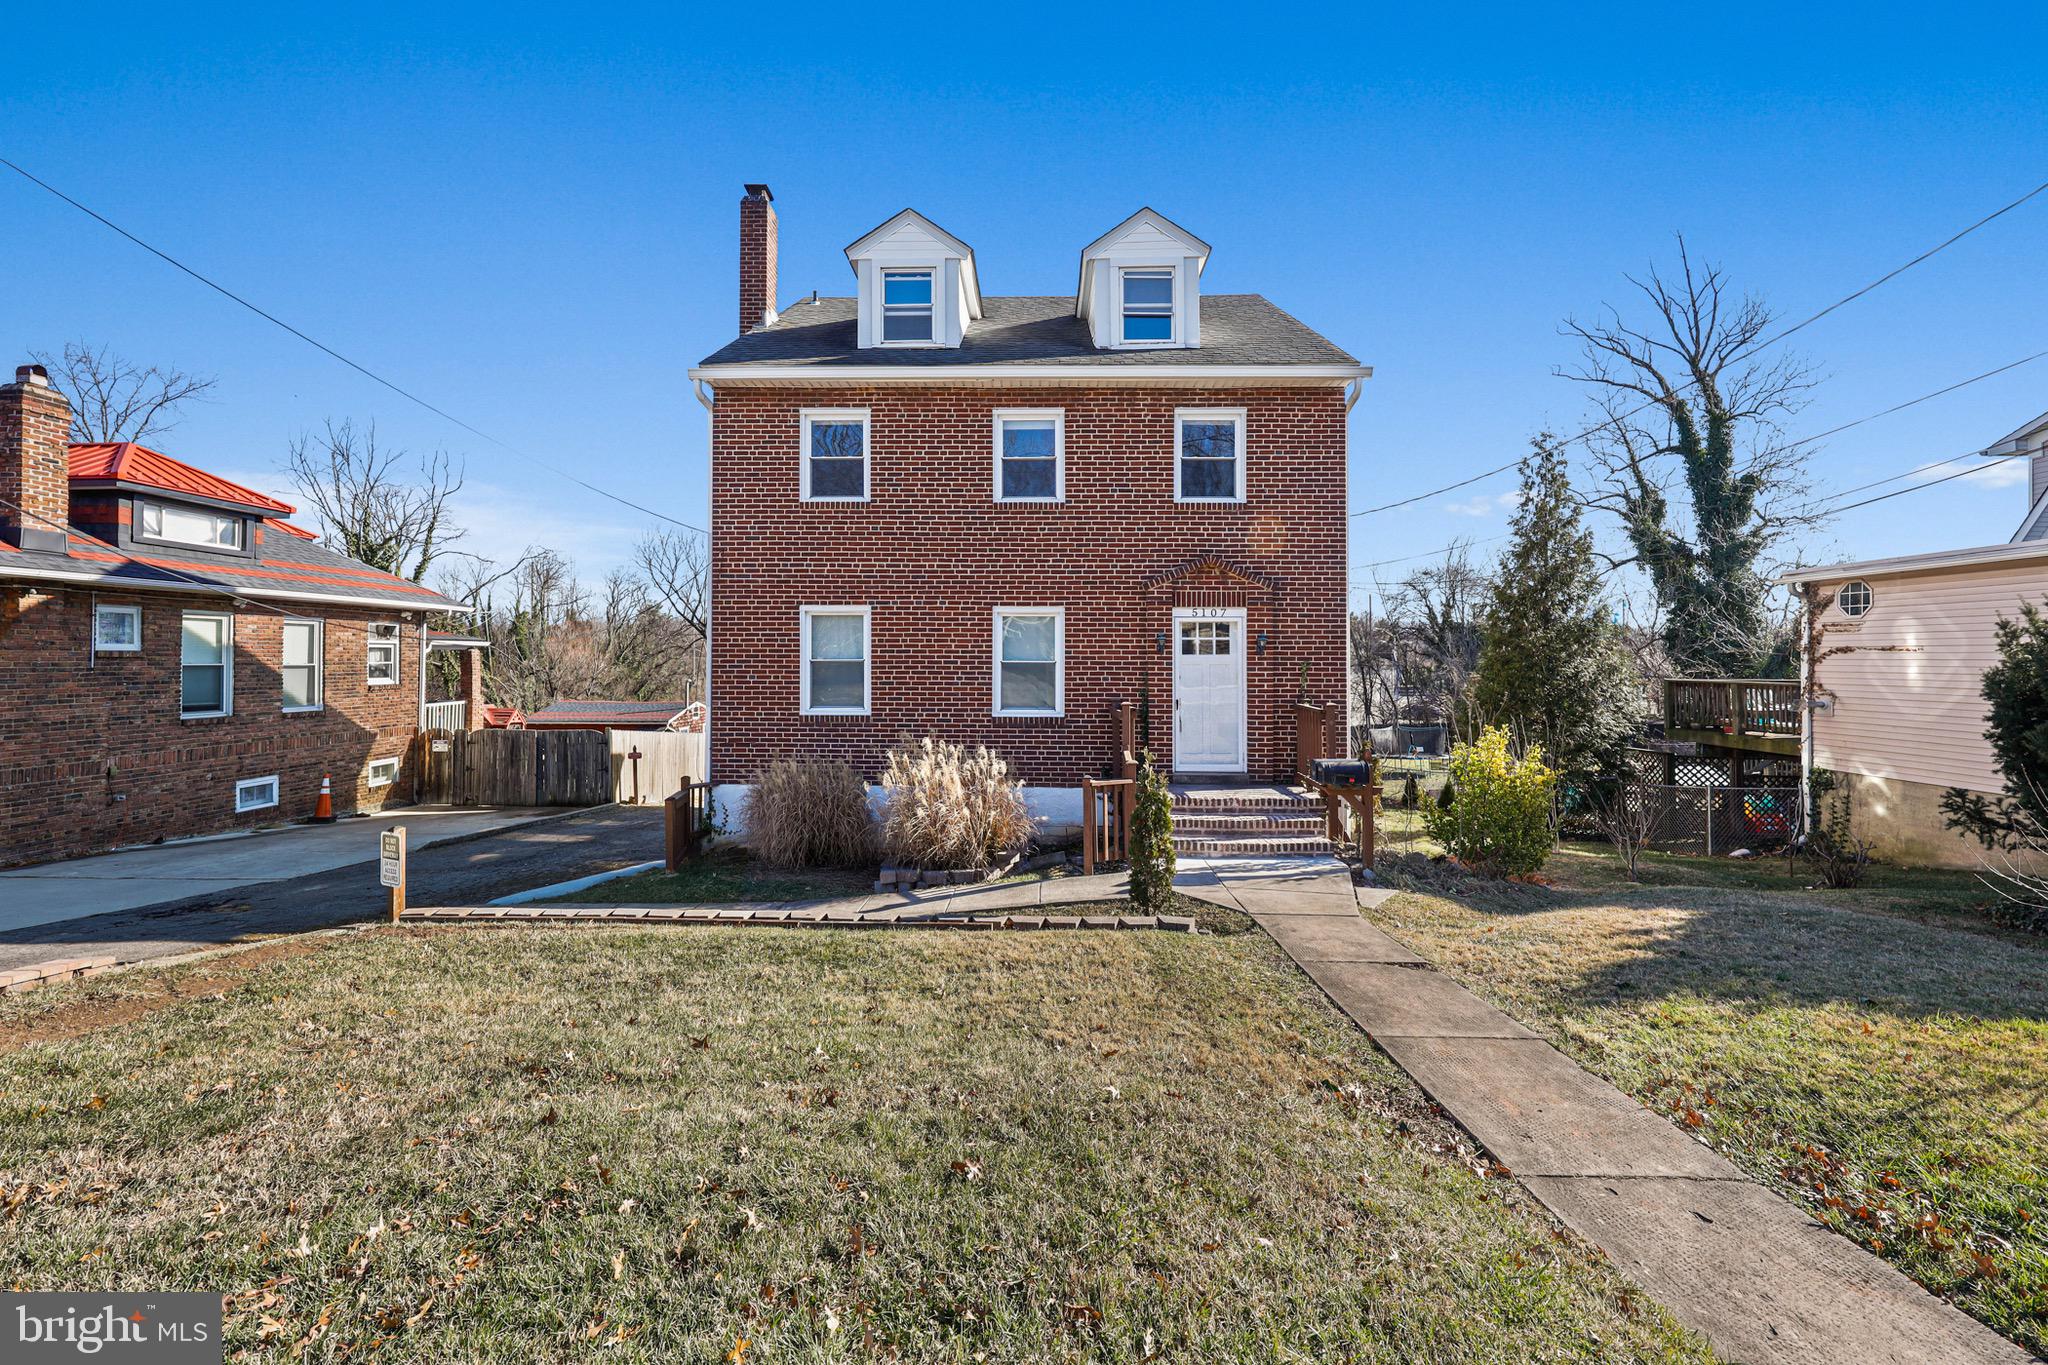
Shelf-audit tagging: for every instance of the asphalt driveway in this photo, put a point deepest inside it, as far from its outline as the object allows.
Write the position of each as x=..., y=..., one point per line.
x=451, y=870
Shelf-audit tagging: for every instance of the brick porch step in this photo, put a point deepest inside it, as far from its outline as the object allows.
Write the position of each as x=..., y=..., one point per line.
x=1252, y=823
x=1278, y=845
x=1234, y=800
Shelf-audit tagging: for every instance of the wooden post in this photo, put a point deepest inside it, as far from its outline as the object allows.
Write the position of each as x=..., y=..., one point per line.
x=1308, y=738
x=675, y=816
x=1127, y=740
x=391, y=867
x=1087, y=826
x=634, y=758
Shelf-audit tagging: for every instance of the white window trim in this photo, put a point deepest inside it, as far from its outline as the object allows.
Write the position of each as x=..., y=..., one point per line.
x=1869, y=595
x=810, y=417
x=100, y=646
x=1182, y=416
x=370, y=640
x=319, y=702
x=276, y=787
x=227, y=676
x=240, y=523
x=1058, y=418
x=937, y=272
x=388, y=766
x=1173, y=315
x=1059, y=661
x=867, y=661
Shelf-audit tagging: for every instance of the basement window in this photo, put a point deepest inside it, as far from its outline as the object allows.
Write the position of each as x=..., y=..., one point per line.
x=382, y=772
x=255, y=793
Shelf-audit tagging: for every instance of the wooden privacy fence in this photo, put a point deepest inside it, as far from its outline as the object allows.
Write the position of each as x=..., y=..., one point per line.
x=513, y=768
x=667, y=763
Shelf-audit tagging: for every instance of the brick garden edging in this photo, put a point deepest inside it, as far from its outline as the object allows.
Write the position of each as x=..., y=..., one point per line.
x=17, y=980
x=787, y=919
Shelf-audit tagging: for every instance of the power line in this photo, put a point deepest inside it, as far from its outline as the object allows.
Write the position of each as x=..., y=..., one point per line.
x=1901, y=492
x=323, y=347
x=1739, y=356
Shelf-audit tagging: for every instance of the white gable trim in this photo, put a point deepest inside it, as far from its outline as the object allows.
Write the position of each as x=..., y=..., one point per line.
x=2033, y=521
x=910, y=238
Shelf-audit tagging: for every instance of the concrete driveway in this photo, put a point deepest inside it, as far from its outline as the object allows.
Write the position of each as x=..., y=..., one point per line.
x=141, y=877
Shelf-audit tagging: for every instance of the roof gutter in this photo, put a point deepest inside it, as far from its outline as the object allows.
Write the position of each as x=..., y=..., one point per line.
x=1940, y=559
x=1084, y=373
x=103, y=583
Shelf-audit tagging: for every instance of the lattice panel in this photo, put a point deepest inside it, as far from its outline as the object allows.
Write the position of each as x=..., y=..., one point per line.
x=1703, y=772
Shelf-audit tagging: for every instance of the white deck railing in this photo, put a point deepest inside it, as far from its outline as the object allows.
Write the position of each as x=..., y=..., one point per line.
x=446, y=715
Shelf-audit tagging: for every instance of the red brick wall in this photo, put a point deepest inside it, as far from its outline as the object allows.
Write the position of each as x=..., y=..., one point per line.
x=35, y=460
x=758, y=257
x=93, y=753
x=933, y=555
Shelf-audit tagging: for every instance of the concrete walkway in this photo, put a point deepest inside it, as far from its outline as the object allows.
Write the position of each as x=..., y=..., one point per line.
x=1749, y=1271
x=49, y=893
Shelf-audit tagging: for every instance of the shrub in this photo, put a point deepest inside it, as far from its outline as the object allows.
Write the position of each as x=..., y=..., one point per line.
x=1151, y=844
x=1499, y=825
x=1447, y=795
x=951, y=808
x=1411, y=792
x=1837, y=856
x=809, y=815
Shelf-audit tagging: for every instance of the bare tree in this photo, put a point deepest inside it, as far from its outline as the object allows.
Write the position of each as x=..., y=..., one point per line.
x=1628, y=813
x=390, y=522
x=1437, y=638
x=116, y=400
x=677, y=572
x=1693, y=457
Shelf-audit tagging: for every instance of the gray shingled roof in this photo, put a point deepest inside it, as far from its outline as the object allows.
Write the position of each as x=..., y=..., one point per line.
x=1237, y=329
x=286, y=564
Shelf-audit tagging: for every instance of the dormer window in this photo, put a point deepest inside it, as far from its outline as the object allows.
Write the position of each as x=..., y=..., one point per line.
x=906, y=306
x=1148, y=305
x=190, y=526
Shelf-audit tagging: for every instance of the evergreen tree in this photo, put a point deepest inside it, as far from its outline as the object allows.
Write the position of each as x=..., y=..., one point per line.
x=2017, y=728
x=1552, y=666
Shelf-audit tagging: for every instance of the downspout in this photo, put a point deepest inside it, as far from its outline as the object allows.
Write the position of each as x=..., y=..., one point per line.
x=1808, y=667
x=709, y=398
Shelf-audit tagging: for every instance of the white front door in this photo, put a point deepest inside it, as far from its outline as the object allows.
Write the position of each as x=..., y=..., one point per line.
x=1208, y=691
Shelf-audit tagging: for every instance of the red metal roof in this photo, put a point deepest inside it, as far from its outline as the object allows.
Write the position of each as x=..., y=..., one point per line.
x=127, y=462
x=503, y=717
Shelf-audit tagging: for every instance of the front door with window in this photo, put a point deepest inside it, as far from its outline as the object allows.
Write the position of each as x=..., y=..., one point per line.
x=1208, y=693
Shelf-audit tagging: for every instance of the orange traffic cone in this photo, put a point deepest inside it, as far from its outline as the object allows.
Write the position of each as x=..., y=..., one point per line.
x=323, y=811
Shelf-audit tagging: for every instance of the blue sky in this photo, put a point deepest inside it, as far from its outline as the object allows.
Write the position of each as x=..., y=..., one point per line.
x=529, y=216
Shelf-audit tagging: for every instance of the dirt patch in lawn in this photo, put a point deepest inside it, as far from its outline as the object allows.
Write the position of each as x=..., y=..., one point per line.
x=54, y=1014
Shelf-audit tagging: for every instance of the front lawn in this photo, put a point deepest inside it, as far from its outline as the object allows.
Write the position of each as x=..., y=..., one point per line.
x=725, y=875
x=1881, y=1054
x=760, y=1145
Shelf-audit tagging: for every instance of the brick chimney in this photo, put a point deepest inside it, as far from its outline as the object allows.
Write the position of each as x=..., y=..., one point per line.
x=757, y=259
x=35, y=462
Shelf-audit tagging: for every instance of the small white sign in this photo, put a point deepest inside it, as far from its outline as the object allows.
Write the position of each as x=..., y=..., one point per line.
x=440, y=745
x=391, y=858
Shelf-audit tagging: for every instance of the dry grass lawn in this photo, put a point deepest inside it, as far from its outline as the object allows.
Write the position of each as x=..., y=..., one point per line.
x=775, y=1145
x=1880, y=1055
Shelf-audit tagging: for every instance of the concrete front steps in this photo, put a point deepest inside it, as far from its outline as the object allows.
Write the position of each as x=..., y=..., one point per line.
x=1268, y=821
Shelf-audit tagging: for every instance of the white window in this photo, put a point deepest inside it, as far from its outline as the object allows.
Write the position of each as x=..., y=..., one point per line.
x=1147, y=305
x=255, y=793
x=383, y=646
x=382, y=772
x=1031, y=455
x=835, y=646
x=835, y=455
x=207, y=664
x=906, y=306
x=191, y=526
x=1855, y=598
x=1030, y=654
x=1208, y=459
x=116, y=630
x=303, y=665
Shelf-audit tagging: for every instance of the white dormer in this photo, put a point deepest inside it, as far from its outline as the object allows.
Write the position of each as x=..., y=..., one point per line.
x=918, y=285
x=1141, y=285
x=2030, y=442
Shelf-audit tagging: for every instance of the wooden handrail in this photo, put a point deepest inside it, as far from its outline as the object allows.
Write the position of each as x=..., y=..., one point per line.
x=683, y=824
x=1105, y=820
x=1734, y=706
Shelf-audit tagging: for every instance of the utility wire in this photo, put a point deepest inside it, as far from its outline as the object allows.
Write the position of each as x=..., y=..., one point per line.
x=323, y=347
x=1772, y=340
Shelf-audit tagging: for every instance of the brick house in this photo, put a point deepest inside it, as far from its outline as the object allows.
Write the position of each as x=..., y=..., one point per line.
x=176, y=658
x=994, y=518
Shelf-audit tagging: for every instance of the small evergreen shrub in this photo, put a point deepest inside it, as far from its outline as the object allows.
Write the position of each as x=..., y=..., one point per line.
x=1151, y=847
x=1447, y=795
x=1499, y=823
x=947, y=807
x=1411, y=792
x=809, y=815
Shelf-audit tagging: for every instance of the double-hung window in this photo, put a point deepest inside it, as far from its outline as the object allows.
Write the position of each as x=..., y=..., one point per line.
x=304, y=655
x=207, y=665
x=1030, y=652
x=382, y=643
x=835, y=455
x=907, y=306
x=1147, y=305
x=1030, y=455
x=191, y=526
x=1208, y=462
x=835, y=662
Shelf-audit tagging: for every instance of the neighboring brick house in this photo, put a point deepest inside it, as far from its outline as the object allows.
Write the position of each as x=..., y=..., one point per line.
x=993, y=518
x=175, y=657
